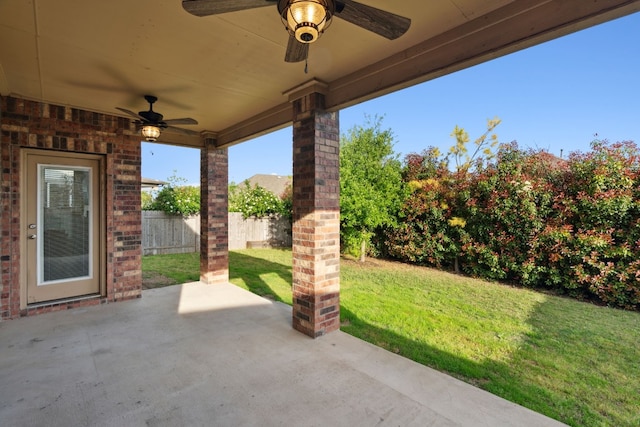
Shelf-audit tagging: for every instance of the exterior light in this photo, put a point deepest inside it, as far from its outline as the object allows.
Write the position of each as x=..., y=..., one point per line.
x=306, y=19
x=150, y=132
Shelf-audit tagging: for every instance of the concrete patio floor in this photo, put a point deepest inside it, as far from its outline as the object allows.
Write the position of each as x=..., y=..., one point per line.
x=217, y=355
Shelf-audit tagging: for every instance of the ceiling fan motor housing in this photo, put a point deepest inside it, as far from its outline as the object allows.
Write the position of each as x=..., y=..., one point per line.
x=306, y=20
x=152, y=117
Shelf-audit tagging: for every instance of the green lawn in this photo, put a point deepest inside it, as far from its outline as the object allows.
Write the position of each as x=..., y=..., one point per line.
x=572, y=361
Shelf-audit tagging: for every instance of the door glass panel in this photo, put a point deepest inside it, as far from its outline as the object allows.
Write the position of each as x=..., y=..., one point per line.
x=64, y=223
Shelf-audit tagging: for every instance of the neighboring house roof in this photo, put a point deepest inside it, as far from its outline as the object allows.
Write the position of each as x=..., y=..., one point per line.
x=548, y=161
x=151, y=183
x=274, y=183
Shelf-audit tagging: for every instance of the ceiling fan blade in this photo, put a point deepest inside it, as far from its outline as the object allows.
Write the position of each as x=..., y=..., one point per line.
x=296, y=51
x=381, y=22
x=184, y=121
x=131, y=113
x=182, y=131
x=215, y=7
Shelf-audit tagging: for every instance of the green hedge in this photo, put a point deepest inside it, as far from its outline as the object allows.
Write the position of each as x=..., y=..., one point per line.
x=528, y=217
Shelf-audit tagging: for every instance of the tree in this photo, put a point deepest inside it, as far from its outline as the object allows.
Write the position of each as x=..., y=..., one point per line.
x=483, y=146
x=177, y=199
x=287, y=201
x=433, y=229
x=371, y=187
x=146, y=199
x=257, y=201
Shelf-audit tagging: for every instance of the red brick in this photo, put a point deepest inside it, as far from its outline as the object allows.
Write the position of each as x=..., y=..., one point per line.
x=214, y=216
x=67, y=129
x=316, y=215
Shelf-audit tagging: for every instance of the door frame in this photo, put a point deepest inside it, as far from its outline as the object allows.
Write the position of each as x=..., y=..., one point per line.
x=99, y=246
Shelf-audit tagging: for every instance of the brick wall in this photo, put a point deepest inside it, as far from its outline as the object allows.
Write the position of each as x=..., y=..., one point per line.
x=316, y=217
x=30, y=124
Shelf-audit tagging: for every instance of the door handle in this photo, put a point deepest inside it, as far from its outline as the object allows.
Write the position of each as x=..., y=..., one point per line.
x=32, y=236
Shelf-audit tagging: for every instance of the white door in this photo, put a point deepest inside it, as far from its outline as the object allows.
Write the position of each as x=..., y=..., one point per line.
x=63, y=237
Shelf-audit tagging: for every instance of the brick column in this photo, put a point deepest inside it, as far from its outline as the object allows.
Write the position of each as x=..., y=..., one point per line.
x=214, y=215
x=316, y=217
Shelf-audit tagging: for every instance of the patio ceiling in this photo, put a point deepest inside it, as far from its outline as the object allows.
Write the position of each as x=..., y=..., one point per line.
x=228, y=71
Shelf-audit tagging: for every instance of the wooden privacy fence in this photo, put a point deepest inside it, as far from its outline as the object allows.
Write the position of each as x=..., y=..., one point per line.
x=170, y=234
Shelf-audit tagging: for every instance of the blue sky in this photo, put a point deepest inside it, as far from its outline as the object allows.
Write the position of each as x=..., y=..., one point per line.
x=554, y=96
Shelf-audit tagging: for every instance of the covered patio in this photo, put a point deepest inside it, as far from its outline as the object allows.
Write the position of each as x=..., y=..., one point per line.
x=200, y=355
x=75, y=78
x=208, y=353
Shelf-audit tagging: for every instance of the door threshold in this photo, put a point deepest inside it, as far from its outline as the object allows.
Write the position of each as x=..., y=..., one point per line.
x=62, y=301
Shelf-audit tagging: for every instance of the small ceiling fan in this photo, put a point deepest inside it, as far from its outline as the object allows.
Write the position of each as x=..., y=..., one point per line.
x=306, y=20
x=150, y=122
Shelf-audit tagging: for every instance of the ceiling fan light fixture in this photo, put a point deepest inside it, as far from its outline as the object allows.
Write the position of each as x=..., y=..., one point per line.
x=307, y=19
x=150, y=133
